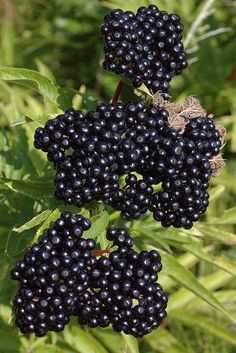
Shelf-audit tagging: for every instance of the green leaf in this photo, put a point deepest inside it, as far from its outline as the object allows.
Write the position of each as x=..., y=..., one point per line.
x=33, y=189
x=175, y=270
x=205, y=323
x=163, y=341
x=228, y=217
x=43, y=85
x=39, y=119
x=33, y=222
x=217, y=234
x=104, y=243
x=216, y=192
x=131, y=342
x=111, y=339
x=82, y=341
x=220, y=261
x=48, y=348
x=184, y=297
x=46, y=224
x=9, y=342
x=99, y=225
x=5, y=313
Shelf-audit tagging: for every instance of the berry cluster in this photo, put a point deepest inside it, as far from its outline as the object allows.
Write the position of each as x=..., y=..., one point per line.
x=126, y=294
x=60, y=277
x=146, y=47
x=91, y=152
x=52, y=275
x=118, y=154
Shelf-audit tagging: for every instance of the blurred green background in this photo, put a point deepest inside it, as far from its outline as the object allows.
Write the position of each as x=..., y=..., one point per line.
x=61, y=40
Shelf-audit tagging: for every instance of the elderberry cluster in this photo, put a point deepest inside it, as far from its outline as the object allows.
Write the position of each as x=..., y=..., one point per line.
x=92, y=152
x=146, y=47
x=125, y=294
x=60, y=277
x=52, y=275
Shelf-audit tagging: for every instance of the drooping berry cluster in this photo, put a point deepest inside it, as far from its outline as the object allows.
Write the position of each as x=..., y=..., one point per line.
x=146, y=47
x=126, y=293
x=52, y=275
x=60, y=277
x=92, y=152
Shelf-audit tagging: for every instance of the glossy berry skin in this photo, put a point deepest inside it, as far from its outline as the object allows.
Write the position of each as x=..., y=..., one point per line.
x=59, y=277
x=133, y=141
x=146, y=47
x=125, y=293
x=52, y=274
x=203, y=136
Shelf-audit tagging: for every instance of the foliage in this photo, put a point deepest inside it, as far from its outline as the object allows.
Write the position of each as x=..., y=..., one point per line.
x=60, y=39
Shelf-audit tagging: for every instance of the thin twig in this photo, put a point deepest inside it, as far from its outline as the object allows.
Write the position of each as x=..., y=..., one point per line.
x=204, y=13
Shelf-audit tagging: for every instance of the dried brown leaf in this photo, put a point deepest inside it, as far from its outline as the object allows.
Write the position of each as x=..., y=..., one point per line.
x=217, y=165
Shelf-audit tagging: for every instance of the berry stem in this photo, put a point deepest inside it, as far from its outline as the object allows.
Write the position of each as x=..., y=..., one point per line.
x=102, y=252
x=118, y=91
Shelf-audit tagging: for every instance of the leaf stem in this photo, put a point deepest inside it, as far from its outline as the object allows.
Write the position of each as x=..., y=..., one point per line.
x=118, y=91
x=102, y=252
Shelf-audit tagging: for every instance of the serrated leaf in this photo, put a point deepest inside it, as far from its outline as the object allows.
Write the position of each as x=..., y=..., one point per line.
x=33, y=189
x=43, y=85
x=131, y=342
x=207, y=324
x=33, y=222
x=175, y=270
x=99, y=225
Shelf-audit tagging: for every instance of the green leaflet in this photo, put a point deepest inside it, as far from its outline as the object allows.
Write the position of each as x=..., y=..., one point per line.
x=175, y=270
x=33, y=189
x=163, y=341
x=99, y=225
x=223, y=262
x=33, y=222
x=131, y=342
x=184, y=297
x=43, y=85
x=205, y=323
x=82, y=341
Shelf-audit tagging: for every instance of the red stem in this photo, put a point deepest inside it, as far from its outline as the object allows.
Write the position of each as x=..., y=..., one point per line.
x=102, y=252
x=117, y=92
